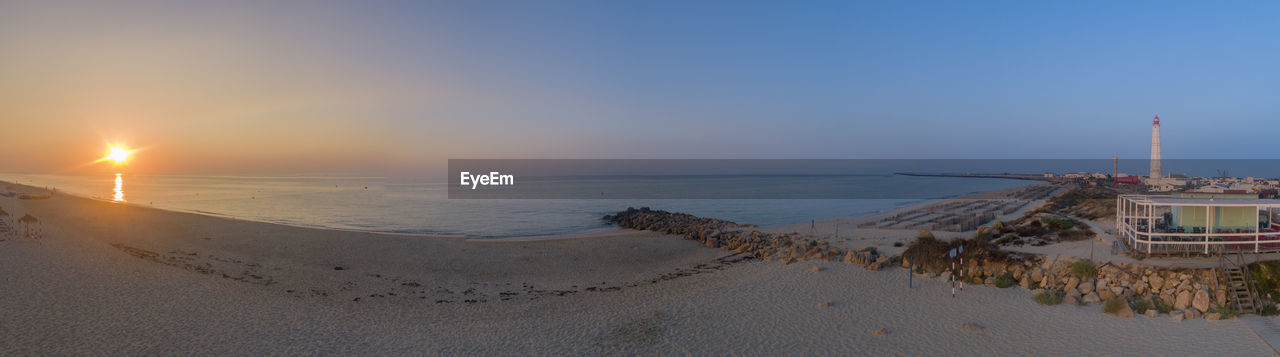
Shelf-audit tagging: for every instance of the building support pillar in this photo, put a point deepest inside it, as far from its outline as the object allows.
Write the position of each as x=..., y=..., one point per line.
x=1208, y=227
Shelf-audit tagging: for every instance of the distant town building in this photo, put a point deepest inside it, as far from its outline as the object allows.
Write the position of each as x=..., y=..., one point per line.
x=1128, y=180
x=1164, y=184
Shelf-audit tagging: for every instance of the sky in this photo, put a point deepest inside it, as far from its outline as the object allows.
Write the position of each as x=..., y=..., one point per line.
x=398, y=88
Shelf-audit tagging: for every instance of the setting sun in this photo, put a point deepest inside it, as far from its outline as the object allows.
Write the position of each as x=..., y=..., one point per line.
x=118, y=154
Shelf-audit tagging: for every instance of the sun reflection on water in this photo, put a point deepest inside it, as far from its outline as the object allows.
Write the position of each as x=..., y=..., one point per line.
x=119, y=191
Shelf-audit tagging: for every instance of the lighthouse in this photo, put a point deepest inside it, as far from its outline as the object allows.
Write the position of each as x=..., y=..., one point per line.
x=1155, y=147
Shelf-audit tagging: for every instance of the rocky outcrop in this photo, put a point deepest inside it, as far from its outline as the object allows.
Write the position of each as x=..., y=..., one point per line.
x=1183, y=300
x=717, y=233
x=1156, y=282
x=1201, y=301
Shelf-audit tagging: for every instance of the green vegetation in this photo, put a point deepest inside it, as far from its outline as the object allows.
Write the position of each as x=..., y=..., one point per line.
x=1005, y=280
x=1057, y=223
x=1266, y=278
x=997, y=226
x=1049, y=297
x=1113, y=305
x=1161, y=306
x=1227, y=313
x=932, y=254
x=972, y=280
x=868, y=249
x=1141, y=305
x=1084, y=269
x=1075, y=234
x=1085, y=202
x=1269, y=310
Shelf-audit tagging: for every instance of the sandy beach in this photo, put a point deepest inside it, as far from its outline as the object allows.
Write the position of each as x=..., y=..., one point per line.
x=862, y=232
x=116, y=279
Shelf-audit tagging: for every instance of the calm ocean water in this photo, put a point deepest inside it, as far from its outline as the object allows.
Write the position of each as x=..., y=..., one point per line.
x=421, y=205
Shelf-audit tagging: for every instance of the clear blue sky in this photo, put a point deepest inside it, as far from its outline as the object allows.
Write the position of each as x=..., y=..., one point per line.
x=712, y=79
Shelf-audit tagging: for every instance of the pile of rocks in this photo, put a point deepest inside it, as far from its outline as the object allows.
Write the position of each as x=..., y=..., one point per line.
x=1187, y=290
x=717, y=233
x=1190, y=293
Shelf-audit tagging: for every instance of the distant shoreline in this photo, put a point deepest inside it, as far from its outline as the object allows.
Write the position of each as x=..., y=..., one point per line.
x=1006, y=176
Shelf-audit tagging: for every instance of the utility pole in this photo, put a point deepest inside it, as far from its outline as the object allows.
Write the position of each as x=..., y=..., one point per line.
x=1115, y=169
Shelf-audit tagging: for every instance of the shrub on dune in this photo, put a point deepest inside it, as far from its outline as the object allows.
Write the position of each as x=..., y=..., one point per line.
x=932, y=254
x=1225, y=312
x=1114, y=305
x=1049, y=297
x=1084, y=269
x=1005, y=280
x=1142, y=305
x=1162, y=306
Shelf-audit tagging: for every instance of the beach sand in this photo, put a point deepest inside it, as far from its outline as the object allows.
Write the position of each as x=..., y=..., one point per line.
x=846, y=233
x=116, y=279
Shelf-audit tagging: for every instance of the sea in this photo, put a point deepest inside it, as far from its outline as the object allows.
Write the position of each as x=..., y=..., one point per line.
x=422, y=206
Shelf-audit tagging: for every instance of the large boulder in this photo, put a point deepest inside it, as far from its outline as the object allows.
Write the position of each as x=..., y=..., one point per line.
x=1105, y=294
x=1118, y=290
x=1221, y=296
x=1169, y=284
x=1183, y=300
x=1090, y=298
x=1086, y=287
x=1072, y=283
x=1201, y=301
x=1213, y=317
x=1125, y=311
x=1017, y=270
x=1037, y=274
x=1156, y=282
